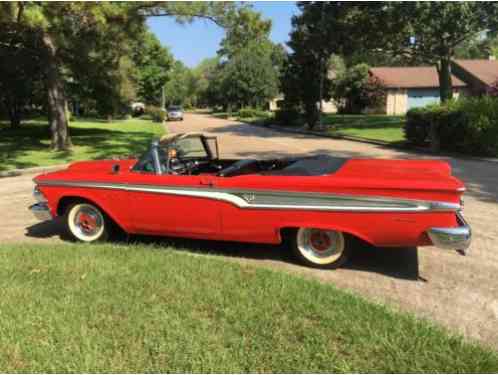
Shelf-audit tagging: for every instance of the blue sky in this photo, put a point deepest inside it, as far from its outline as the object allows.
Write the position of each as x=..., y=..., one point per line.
x=193, y=42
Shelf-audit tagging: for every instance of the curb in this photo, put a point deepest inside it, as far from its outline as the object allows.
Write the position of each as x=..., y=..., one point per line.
x=405, y=147
x=20, y=172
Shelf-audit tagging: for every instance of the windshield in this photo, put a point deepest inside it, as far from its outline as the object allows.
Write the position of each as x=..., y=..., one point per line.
x=175, y=108
x=187, y=148
x=191, y=148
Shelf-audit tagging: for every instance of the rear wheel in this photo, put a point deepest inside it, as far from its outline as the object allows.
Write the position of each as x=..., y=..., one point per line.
x=321, y=248
x=86, y=222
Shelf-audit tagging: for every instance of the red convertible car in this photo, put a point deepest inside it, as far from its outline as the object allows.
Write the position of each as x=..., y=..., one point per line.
x=180, y=187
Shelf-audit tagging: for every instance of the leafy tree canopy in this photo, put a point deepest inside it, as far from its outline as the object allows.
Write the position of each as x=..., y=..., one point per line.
x=86, y=40
x=153, y=62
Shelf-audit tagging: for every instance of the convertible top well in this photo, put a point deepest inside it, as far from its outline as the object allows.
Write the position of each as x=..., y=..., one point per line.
x=318, y=165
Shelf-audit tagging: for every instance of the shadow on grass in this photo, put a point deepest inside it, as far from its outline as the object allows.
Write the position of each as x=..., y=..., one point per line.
x=31, y=141
x=399, y=263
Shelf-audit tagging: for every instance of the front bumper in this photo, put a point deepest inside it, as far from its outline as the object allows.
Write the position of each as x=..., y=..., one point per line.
x=458, y=238
x=41, y=211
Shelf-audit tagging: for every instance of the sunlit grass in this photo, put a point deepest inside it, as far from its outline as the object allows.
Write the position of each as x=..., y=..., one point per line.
x=375, y=127
x=139, y=308
x=29, y=145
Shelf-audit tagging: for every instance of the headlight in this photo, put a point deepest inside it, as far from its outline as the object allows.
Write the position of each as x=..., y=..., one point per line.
x=39, y=195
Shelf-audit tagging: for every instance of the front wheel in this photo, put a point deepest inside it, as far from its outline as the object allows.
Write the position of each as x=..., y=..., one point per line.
x=86, y=222
x=321, y=248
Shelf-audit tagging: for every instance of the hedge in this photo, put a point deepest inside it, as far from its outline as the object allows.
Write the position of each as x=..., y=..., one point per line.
x=467, y=125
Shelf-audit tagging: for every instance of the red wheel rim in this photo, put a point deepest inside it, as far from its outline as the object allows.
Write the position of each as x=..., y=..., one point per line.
x=320, y=240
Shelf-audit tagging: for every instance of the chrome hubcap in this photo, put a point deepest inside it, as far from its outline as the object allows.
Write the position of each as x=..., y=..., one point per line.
x=320, y=246
x=88, y=221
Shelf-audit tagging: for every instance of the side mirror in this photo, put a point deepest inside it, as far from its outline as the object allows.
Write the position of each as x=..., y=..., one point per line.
x=116, y=168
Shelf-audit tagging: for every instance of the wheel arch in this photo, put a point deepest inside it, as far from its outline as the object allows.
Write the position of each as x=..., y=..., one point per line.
x=67, y=200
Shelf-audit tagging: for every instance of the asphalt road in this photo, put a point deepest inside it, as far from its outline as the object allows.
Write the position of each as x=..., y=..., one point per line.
x=460, y=292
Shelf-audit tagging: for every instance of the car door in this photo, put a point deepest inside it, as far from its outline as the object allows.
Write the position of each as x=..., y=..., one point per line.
x=174, y=205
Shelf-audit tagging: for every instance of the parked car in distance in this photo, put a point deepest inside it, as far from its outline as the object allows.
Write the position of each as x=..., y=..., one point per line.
x=175, y=112
x=320, y=204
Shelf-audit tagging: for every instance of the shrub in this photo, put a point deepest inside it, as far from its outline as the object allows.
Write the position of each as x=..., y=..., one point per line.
x=156, y=114
x=468, y=125
x=417, y=126
x=288, y=117
x=248, y=112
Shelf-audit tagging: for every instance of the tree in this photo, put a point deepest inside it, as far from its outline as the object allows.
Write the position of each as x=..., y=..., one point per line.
x=62, y=27
x=322, y=29
x=305, y=80
x=478, y=47
x=20, y=73
x=249, y=77
x=357, y=90
x=203, y=75
x=248, y=64
x=415, y=32
x=152, y=62
x=248, y=28
x=432, y=31
x=66, y=33
x=178, y=86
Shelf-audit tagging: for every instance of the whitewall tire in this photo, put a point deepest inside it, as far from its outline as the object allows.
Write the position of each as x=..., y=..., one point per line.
x=321, y=248
x=86, y=222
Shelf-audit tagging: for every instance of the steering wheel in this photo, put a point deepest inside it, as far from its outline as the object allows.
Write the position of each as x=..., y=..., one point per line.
x=177, y=166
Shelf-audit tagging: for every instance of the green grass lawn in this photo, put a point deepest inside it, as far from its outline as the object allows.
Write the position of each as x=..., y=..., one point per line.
x=28, y=146
x=375, y=127
x=139, y=308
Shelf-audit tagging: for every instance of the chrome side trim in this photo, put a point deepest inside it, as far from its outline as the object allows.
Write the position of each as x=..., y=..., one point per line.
x=458, y=238
x=41, y=211
x=270, y=199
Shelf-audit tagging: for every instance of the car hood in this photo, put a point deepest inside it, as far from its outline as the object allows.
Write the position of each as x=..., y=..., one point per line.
x=93, y=168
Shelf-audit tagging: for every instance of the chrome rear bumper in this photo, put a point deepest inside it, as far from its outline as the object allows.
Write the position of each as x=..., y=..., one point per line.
x=458, y=238
x=41, y=211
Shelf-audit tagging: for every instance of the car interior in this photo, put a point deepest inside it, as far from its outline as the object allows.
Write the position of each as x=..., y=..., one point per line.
x=194, y=158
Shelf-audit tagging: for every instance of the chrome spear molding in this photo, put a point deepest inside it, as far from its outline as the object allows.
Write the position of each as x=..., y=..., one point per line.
x=269, y=199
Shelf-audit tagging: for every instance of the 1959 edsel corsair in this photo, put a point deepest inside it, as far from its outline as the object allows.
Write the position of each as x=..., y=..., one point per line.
x=180, y=187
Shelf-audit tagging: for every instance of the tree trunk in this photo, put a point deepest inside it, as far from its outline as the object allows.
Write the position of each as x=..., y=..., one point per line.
x=445, y=93
x=15, y=118
x=14, y=112
x=445, y=84
x=56, y=99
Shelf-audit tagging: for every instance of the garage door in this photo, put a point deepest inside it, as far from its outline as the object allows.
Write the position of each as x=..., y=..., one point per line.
x=422, y=97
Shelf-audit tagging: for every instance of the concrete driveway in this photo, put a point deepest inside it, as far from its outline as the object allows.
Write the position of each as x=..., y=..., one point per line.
x=459, y=292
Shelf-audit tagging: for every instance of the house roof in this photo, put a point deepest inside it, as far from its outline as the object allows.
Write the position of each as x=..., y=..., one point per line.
x=411, y=77
x=485, y=71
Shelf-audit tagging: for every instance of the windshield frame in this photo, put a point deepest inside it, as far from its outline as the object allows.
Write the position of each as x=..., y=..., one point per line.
x=165, y=144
